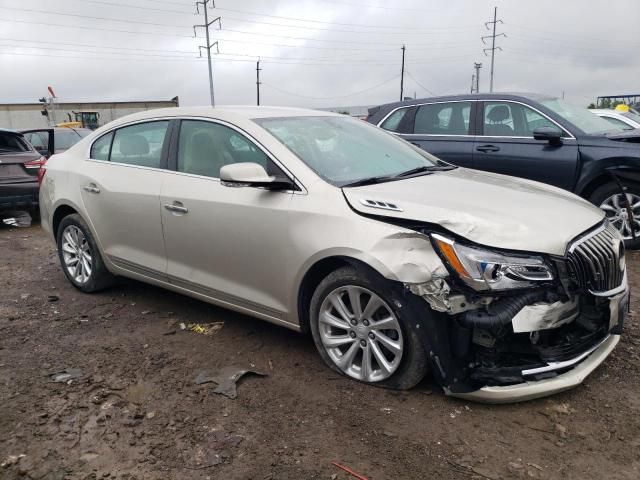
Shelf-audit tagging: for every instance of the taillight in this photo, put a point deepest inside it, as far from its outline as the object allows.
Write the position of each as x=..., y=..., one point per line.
x=41, y=171
x=35, y=163
x=39, y=164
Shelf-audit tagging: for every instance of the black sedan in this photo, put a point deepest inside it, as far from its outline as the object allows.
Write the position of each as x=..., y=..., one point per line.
x=532, y=136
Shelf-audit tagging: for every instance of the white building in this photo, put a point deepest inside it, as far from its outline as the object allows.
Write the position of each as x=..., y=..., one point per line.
x=29, y=115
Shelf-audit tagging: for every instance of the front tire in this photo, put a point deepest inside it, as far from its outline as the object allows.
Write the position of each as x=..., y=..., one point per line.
x=610, y=199
x=362, y=329
x=79, y=256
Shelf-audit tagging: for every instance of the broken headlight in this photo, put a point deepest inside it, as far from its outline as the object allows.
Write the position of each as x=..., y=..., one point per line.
x=486, y=270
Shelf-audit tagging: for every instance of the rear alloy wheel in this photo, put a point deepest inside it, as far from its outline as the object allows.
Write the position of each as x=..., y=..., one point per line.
x=617, y=212
x=80, y=257
x=364, y=329
x=76, y=254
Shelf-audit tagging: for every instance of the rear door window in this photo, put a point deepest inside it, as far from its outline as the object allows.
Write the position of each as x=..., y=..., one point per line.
x=452, y=118
x=139, y=144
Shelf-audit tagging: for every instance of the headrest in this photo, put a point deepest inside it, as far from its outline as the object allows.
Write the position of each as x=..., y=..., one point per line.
x=134, y=145
x=498, y=114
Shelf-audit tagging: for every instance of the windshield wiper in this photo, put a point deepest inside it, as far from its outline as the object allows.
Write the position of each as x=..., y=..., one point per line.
x=425, y=169
x=370, y=181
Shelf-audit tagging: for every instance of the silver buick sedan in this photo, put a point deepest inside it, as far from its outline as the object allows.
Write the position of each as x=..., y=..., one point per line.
x=395, y=262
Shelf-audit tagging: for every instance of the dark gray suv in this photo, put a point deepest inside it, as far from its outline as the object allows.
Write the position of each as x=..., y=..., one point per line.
x=531, y=136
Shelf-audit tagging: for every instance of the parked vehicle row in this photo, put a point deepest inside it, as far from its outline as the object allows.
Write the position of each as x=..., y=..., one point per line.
x=536, y=137
x=396, y=262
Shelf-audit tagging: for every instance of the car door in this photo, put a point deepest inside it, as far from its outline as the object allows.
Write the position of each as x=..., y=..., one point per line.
x=120, y=185
x=505, y=144
x=226, y=243
x=443, y=129
x=43, y=140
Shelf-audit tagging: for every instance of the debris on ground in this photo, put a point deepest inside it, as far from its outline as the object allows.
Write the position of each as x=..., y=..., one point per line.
x=64, y=376
x=203, y=328
x=19, y=219
x=53, y=298
x=226, y=379
x=11, y=460
x=349, y=471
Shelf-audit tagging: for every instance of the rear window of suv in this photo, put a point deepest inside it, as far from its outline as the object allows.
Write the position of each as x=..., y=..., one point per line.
x=11, y=143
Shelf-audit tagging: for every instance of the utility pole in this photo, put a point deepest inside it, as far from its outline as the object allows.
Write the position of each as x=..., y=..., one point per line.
x=209, y=45
x=402, y=75
x=473, y=82
x=477, y=66
x=258, y=82
x=493, y=42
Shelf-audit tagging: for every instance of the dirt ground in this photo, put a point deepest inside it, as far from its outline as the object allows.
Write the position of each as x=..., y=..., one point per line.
x=136, y=412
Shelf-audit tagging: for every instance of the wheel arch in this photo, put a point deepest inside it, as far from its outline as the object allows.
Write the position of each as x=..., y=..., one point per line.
x=624, y=173
x=59, y=213
x=315, y=274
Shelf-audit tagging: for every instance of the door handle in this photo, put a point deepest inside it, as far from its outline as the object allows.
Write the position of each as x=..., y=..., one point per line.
x=488, y=148
x=91, y=188
x=176, y=207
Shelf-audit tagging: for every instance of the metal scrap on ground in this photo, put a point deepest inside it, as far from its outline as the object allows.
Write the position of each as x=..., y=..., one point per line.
x=226, y=379
x=16, y=219
x=63, y=376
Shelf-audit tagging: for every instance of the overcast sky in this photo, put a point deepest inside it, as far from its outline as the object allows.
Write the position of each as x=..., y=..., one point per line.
x=314, y=53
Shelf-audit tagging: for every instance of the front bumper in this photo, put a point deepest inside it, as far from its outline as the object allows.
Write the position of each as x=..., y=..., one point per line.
x=561, y=371
x=542, y=388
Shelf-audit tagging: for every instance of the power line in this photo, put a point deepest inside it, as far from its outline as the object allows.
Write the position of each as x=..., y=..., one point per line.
x=420, y=84
x=331, y=98
x=48, y=12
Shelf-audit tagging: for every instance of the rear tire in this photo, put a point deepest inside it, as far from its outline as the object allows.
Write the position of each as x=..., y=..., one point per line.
x=381, y=348
x=609, y=198
x=79, y=256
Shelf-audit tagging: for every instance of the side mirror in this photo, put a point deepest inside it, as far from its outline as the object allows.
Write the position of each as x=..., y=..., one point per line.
x=550, y=134
x=252, y=175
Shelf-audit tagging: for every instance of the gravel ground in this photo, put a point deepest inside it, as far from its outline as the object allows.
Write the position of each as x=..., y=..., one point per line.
x=136, y=413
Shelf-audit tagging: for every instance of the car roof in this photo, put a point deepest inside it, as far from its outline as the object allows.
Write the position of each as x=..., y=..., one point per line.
x=608, y=111
x=536, y=97
x=244, y=111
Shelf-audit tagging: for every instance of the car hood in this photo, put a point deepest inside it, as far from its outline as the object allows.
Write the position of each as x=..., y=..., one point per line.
x=631, y=136
x=490, y=209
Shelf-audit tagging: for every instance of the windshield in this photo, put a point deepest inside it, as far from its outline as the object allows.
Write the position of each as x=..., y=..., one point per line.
x=581, y=117
x=12, y=142
x=67, y=138
x=633, y=116
x=343, y=150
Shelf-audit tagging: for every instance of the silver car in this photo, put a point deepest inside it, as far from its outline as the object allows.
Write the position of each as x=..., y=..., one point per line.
x=396, y=263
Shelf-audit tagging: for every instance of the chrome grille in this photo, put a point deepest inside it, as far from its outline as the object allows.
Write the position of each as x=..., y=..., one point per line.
x=596, y=260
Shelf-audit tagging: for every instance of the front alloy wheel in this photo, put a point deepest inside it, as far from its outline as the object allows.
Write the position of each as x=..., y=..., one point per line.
x=360, y=333
x=366, y=328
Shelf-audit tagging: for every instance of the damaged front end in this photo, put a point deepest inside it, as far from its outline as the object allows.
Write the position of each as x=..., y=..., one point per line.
x=518, y=326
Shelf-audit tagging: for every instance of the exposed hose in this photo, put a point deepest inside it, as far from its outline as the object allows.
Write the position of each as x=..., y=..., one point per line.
x=500, y=312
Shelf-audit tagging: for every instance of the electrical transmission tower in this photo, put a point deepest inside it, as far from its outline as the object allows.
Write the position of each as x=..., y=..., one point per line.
x=209, y=45
x=493, y=42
